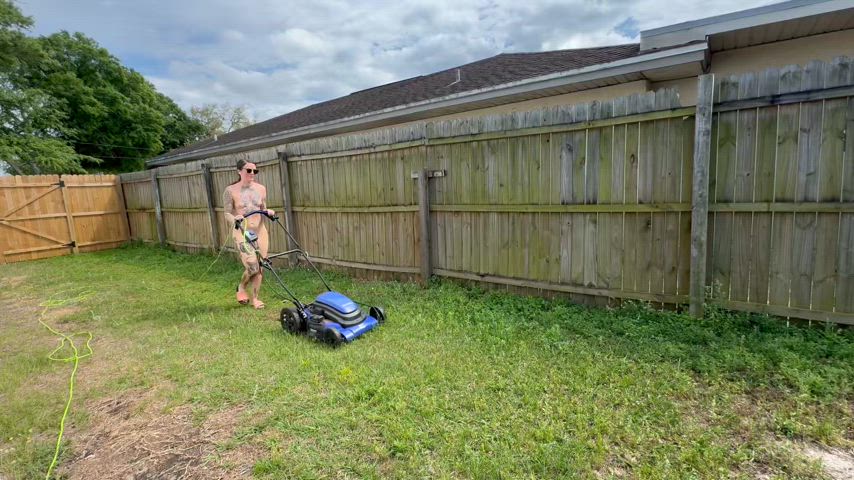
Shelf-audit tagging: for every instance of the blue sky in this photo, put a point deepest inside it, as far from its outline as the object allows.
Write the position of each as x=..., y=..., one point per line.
x=278, y=56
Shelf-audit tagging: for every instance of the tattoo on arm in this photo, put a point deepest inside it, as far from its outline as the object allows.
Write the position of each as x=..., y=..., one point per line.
x=228, y=206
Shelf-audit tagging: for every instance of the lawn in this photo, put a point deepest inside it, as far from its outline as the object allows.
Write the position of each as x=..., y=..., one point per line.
x=459, y=383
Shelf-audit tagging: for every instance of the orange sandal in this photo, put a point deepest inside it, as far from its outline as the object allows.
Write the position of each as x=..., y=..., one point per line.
x=242, y=297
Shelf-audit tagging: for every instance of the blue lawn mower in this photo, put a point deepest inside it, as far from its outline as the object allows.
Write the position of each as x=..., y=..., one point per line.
x=332, y=318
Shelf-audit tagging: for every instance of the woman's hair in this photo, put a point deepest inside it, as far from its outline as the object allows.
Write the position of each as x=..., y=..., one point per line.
x=240, y=164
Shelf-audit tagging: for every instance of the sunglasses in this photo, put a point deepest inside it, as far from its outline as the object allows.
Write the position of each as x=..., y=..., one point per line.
x=249, y=170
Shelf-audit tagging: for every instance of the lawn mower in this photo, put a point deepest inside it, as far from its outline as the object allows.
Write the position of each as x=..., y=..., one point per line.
x=332, y=318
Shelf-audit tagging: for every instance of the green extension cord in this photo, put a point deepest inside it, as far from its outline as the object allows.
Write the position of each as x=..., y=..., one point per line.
x=222, y=249
x=74, y=357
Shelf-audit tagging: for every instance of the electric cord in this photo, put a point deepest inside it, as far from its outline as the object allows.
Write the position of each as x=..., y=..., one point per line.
x=74, y=358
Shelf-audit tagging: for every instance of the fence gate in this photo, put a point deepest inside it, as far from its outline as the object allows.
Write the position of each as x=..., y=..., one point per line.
x=47, y=215
x=33, y=218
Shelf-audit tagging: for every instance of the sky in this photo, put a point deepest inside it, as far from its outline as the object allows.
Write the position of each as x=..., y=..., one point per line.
x=276, y=56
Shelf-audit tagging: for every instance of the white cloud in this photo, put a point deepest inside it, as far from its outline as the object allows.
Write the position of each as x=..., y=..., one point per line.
x=584, y=40
x=277, y=56
x=298, y=43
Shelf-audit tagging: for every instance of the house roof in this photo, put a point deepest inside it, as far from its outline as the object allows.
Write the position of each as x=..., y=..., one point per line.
x=664, y=53
x=498, y=70
x=755, y=26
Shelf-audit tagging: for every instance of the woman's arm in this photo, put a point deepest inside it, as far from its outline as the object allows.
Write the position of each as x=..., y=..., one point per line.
x=263, y=205
x=229, y=208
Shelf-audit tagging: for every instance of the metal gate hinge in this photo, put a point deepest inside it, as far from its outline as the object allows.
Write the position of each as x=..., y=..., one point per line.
x=431, y=173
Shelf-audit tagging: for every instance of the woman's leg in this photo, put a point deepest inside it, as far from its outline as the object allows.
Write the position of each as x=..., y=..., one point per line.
x=247, y=258
x=263, y=247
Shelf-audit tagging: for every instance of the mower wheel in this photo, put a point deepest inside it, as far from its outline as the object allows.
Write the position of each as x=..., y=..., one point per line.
x=291, y=321
x=332, y=337
x=378, y=313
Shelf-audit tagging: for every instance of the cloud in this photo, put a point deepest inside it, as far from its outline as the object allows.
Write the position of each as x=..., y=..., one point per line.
x=278, y=56
x=297, y=43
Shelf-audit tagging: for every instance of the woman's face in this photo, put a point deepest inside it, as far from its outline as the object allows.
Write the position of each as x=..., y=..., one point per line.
x=248, y=172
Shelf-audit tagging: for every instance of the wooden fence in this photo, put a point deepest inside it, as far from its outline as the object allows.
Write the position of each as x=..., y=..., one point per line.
x=781, y=229
x=48, y=215
x=594, y=200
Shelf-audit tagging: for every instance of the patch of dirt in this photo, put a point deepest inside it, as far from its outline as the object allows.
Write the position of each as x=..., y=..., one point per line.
x=133, y=436
x=17, y=311
x=753, y=423
x=12, y=282
x=233, y=464
x=839, y=464
x=34, y=339
x=25, y=312
x=21, y=323
x=53, y=314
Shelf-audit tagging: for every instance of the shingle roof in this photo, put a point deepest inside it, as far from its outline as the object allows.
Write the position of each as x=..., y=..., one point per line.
x=498, y=70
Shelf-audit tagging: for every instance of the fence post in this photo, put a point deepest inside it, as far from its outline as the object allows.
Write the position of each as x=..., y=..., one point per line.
x=286, y=202
x=120, y=190
x=700, y=195
x=206, y=176
x=69, y=216
x=423, y=179
x=158, y=210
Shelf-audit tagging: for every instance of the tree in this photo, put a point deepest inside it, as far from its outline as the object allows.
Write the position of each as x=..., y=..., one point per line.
x=15, y=47
x=30, y=131
x=221, y=118
x=180, y=128
x=119, y=117
x=31, y=124
x=86, y=108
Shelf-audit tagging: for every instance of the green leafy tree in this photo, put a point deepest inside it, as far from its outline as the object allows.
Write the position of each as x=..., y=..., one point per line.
x=69, y=105
x=118, y=116
x=221, y=118
x=32, y=126
x=180, y=128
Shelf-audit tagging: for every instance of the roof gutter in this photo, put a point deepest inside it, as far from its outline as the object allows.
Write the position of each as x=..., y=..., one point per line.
x=649, y=61
x=681, y=33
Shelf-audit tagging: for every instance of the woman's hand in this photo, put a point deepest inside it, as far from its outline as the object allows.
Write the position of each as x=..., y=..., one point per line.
x=271, y=213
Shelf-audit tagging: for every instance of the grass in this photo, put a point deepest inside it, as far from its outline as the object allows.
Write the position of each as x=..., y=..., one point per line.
x=460, y=382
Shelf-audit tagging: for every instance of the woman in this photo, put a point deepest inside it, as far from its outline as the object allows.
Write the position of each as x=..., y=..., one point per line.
x=240, y=198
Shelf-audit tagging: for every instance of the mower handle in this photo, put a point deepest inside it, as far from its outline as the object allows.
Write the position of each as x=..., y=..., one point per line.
x=254, y=212
x=275, y=218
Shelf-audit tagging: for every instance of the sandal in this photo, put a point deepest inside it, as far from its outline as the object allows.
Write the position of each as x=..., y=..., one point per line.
x=258, y=304
x=242, y=297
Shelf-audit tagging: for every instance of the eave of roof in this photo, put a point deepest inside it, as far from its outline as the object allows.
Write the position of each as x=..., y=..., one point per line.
x=697, y=30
